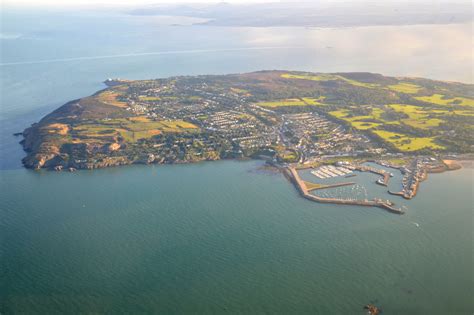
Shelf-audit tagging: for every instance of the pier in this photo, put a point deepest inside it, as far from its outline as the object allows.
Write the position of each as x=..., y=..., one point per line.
x=326, y=186
x=385, y=175
x=294, y=177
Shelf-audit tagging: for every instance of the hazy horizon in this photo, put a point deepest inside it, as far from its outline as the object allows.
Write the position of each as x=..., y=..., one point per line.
x=128, y=3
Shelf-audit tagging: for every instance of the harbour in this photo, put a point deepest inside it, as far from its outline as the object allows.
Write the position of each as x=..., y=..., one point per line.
x=293, y=175
x=328, y=177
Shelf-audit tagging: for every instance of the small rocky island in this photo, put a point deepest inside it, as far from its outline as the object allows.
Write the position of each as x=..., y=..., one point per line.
x=286, y=117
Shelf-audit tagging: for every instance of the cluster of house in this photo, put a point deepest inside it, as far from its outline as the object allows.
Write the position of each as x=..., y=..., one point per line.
x=243, y=124
x=313, y=135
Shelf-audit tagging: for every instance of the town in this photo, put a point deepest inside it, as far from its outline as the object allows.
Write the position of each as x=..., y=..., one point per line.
x=242, y=127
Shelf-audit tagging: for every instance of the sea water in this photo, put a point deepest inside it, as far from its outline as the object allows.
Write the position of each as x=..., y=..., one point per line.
x=221, y=236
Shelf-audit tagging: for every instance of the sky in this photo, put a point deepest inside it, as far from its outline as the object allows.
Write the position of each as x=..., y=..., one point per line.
x=141, y=2
x=119, y=2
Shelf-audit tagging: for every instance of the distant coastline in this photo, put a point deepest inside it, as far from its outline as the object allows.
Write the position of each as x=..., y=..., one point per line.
x=312, y=14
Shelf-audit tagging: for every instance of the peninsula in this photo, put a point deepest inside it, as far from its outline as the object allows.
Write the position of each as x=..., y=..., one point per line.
x=289, y=118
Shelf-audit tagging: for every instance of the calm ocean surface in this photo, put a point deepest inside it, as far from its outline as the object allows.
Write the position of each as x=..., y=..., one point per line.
x=223, y=236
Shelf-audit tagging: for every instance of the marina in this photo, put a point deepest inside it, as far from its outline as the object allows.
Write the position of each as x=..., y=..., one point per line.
x=328, y=171
x=372, y=182
x=294, y=177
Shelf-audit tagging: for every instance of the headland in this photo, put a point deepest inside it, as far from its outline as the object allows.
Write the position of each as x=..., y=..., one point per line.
x=292, y=119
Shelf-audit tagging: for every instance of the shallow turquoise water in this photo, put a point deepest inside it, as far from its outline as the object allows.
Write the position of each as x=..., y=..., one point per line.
x=211, y=237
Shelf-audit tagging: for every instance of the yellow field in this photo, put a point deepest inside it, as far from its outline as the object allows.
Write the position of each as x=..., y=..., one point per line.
x=361, y=84
x=423, y=124
x=339, y=113
x=377, y=113
x=405, y=87
x=363, y=125
x=464, y=112
x=287, y=102
x=358, y=121
x=407, y=143
x=438, y=100
x=313, y=101
x=418, y=117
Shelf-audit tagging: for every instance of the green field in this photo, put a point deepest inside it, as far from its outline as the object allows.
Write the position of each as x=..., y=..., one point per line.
x=131, y=129
x=313, y=101
x=418, y=117
x=329, y=77
x=440, y=99
x=319, y=77
x=405, y=87
x=305, y=101
x=464, y=112
x=447, y=112
x=361, y=122
x=286, y=102
x=360, y=84
x=374, y=122
x=85, y=131
x=407, y=143
x=363, y=125
x=342, y=113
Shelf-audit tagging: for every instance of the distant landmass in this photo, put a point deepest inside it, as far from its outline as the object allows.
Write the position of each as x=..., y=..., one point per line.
x=283, y=116
x=319, y=14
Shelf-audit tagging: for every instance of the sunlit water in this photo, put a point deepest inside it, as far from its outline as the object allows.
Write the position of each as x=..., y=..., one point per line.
x=219, y=236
